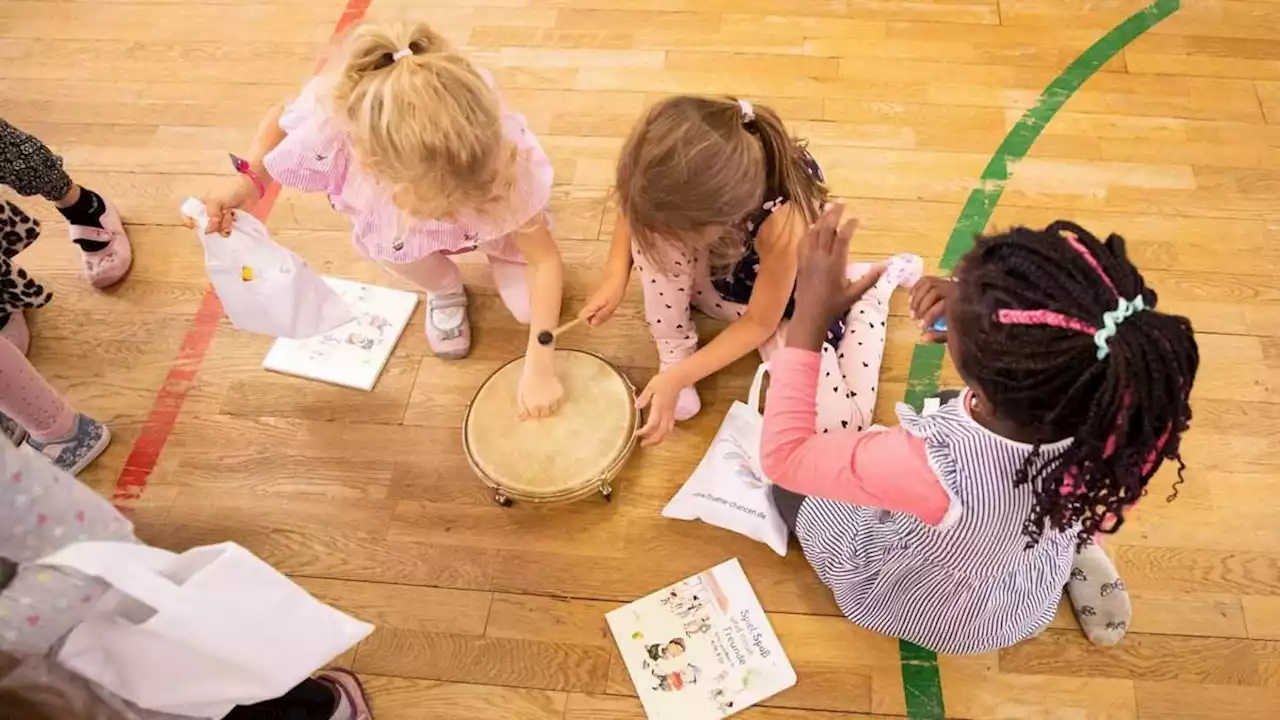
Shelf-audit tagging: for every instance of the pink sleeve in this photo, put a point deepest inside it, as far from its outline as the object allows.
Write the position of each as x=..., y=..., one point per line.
x=884, y=469
x=313, y=156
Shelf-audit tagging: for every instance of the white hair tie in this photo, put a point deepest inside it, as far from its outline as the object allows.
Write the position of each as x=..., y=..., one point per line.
x=404, y=53
x=748, y=112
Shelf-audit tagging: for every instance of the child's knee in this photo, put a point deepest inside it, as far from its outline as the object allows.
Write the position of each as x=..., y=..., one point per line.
x=512, y=281
x=519, y=310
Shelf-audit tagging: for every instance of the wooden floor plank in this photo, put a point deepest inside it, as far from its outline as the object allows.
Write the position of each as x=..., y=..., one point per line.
x=406, y=699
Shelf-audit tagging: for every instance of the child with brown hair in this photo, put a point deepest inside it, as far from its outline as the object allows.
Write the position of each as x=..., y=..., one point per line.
x=414, y=145
x=714, y=196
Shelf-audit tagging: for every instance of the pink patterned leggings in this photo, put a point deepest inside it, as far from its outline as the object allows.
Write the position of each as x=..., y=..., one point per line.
x=850, y=372
x=27, y=398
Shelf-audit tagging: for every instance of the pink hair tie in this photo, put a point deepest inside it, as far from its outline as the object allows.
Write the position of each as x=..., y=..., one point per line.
x=402, y=53
x=748, y=111
x=1043, y=317
x=1079, y=247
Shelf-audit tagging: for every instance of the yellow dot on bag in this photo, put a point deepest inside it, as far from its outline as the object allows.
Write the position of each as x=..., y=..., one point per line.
x=246, y=273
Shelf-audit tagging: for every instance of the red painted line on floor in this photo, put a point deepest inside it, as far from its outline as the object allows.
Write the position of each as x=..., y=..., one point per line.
x=177, y=384
x=168, y=403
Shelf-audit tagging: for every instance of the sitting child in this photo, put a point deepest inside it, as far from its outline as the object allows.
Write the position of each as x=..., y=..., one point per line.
x=958, y=530
x=714, y=198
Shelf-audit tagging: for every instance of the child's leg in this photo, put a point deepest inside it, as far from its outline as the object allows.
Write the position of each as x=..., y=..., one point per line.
x=708, y=300
x=510, y=275
x=448, y=327
x=859, y=354
x=71, y=440
x=833, y=409
x=1098, y=596
x=788, y=504
x=18, y=290
x=31, y=168
x=18, y=228
x=26, y=397
x=667, y=309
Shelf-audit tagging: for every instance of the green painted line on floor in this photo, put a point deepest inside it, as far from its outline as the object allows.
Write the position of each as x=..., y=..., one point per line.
x=922, y=685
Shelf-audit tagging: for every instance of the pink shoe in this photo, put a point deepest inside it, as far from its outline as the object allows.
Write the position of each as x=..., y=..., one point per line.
x=448, y=327
x=347, y=684
x=671, y=352
x=512, y=280
x=17, y=332
x=106, y=267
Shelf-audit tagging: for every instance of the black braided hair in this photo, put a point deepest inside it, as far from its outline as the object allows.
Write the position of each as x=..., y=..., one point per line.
x=1048, y=380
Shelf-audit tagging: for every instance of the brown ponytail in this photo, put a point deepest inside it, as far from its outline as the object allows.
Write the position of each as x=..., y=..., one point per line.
x=694, y=166
x=786, y=164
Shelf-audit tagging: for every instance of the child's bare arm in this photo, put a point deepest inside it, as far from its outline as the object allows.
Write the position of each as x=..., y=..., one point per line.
x=540, y=391
x=242, y=193
x=617, y=272
x=268, y=136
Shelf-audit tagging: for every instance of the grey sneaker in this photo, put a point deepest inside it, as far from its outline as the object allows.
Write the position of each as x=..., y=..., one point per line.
x=11, y=429
x=74, y=452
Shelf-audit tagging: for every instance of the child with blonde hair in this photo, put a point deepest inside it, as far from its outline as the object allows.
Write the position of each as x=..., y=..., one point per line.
x=414, y=145
x=714, y=197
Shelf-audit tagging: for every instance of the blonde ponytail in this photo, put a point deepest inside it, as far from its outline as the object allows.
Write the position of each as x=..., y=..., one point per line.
x=422, y=119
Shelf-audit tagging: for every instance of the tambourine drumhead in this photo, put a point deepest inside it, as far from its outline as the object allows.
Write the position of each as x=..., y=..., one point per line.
x=567, y=455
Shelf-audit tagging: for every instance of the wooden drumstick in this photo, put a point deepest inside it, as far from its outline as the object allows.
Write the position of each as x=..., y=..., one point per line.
x=546, y=337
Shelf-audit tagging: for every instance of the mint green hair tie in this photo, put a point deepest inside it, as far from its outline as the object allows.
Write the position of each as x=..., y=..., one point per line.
x=1111, y=321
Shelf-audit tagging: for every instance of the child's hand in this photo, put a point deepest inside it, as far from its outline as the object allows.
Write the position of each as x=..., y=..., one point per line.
x=929, y=300
x=538, y=395
x=240, y=195
x=660, y=397
x=604, y=300
x=823, y=289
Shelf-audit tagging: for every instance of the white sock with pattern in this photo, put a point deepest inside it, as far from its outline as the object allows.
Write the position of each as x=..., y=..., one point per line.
x=1099, y=597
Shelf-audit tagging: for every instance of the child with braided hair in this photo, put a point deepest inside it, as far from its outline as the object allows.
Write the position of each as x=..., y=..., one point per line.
x=959, y=529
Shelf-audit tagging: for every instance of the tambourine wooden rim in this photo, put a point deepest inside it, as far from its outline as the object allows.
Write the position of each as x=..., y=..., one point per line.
x=599, y=484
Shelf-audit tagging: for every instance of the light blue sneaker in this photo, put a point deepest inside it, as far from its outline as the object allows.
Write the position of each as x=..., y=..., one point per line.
x=75, y=451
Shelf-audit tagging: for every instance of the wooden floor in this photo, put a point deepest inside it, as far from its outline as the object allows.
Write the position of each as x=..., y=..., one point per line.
x=487, y=613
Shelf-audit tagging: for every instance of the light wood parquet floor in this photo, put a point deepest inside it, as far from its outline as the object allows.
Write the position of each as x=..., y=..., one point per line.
x=486, y=613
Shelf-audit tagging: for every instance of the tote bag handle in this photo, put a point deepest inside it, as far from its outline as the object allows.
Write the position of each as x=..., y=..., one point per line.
x=131, y=568
x=753, y=397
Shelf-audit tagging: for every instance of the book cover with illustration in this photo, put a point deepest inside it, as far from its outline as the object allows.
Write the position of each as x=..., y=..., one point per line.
x=701, y=648
x=352, y=355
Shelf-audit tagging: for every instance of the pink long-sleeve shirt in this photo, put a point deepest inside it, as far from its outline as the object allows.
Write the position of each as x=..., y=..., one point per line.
x=882, y=468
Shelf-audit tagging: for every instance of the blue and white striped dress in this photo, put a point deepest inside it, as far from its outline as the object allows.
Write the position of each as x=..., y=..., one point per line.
x=967, y=585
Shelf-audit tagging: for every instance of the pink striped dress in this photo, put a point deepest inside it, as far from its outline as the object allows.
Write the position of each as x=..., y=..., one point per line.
x=316, y=156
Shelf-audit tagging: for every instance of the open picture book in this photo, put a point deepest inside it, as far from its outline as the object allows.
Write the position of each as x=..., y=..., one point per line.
x=352, y=355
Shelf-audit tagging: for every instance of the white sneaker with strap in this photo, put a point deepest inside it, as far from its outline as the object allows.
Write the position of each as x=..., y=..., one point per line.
x=448, y=326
